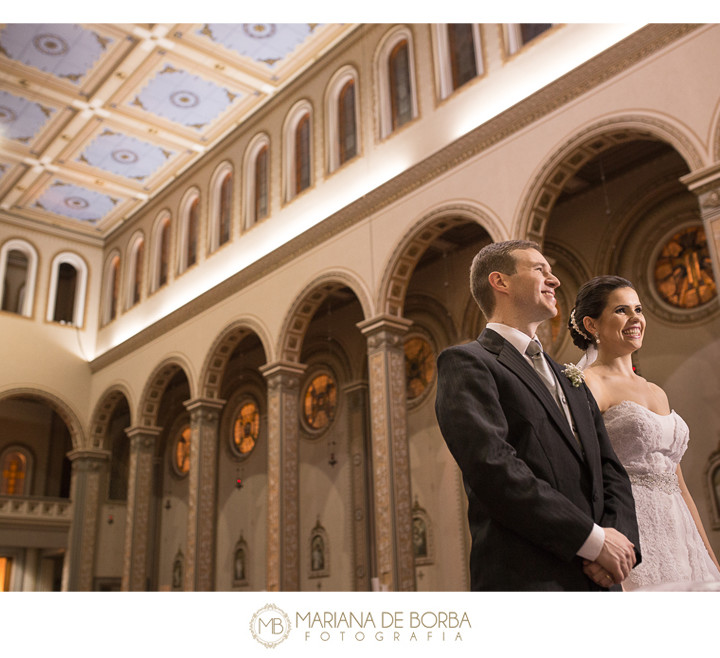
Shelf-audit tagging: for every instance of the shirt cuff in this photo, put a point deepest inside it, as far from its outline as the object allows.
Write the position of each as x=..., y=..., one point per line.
x=593, y=544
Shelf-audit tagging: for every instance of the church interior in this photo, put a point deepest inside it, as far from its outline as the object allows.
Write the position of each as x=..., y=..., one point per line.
x=231, y=253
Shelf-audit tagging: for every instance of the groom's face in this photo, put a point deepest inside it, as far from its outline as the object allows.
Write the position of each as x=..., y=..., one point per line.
x=532, y=286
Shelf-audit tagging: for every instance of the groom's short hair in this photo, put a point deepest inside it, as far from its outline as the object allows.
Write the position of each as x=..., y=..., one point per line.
x=495, y=257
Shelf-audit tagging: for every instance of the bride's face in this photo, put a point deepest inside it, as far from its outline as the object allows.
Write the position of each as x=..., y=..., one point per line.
x=621, y=326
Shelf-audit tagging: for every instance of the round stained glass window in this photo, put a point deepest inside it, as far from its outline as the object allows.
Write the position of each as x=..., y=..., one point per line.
x=246, y=428
x=320, y=401
x=683, y=270
x=419, y=366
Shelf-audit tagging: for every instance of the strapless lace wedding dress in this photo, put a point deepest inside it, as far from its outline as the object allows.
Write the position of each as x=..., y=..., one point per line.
x=650, y=447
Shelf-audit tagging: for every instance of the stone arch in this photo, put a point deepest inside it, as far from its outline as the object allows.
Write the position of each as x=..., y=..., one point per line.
x=59, y=406
x=714, y=145
x=221, y=350
x=402, y=263
x=308, y=301
x=537, y=205
x=104, y=410
x=155, y=387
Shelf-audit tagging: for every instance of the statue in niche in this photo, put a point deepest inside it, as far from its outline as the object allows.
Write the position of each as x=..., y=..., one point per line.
x=419, y=537
x=177, y=574
x=423, y=546
x=318, y=553
x=319, y=558
x=240, y=563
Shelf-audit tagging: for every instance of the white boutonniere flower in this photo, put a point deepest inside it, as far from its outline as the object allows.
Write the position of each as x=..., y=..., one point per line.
x=574, y=374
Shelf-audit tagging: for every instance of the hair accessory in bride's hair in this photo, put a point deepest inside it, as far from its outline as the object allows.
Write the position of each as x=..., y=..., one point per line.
x=575, y=326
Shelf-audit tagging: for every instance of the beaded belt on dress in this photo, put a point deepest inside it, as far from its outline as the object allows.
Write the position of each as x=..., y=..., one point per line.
x=665, y=482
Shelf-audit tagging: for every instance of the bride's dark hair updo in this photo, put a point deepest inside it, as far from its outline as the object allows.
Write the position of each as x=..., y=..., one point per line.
x=590, y=302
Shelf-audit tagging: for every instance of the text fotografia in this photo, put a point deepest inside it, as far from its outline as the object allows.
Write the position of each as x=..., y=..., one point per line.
x=385, y=626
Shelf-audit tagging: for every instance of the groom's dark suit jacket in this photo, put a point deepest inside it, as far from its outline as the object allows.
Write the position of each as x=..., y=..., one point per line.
x=533, y=495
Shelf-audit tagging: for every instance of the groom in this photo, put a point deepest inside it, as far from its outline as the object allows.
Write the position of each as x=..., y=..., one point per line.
x=550, y=506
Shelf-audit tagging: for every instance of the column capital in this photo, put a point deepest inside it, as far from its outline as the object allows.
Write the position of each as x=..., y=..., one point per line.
x=89, y=455
x=276, y=368
x=149, y=431
x=703, y=180
x=384, y=322
x=204, y=403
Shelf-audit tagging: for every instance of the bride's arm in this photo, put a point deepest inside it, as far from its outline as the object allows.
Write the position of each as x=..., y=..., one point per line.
x=696, y=516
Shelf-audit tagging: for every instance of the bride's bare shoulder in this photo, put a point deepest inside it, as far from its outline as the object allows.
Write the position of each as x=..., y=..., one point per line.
x=596, y=382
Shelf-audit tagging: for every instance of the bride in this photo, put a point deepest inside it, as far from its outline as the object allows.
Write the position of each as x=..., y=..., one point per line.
x=608, y=324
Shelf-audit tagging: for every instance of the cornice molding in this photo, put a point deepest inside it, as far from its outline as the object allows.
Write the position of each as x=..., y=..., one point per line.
x=619, y=58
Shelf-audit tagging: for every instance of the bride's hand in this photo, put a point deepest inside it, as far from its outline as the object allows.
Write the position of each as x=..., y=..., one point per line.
x=598, y=574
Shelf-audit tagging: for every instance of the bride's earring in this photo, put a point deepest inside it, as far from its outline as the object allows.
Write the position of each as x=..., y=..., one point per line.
x=597, y=339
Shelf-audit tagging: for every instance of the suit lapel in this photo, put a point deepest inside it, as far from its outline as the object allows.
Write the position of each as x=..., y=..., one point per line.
x=578, y=403
x=514, y=361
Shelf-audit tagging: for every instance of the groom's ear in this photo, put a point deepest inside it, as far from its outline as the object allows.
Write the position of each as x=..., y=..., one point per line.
x=497, y=281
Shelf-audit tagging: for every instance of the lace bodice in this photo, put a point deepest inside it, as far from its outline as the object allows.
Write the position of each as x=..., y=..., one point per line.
x=650, y=447
x=646, y=442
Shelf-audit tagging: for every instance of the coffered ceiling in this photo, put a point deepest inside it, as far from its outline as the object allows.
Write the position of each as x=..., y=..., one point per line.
x=96, y=118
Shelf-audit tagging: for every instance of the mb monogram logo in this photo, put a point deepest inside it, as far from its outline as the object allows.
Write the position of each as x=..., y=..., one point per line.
x=270, y=626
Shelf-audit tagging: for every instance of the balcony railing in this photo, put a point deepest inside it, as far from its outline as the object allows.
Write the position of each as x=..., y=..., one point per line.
x=24, y=509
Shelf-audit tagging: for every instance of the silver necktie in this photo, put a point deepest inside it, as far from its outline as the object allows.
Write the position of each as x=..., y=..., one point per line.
x=542, y=368
x=534, y=351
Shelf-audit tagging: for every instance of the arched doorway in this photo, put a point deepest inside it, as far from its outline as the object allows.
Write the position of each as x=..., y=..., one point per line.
x=430, y=287
x=35, y=486
x=332, y=490
x=232, y=375
x=615, y=203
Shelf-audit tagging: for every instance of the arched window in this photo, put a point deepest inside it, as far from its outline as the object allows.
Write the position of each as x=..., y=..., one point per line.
x=111, y=289
x=395, y=75
x=136, y=269
x=302, y=154
x=257, y=179
x=261, y=184
x=400, y=93
x=68, y=286
x=15, y=471
x=192, y=234
x=221, y=210
x=161, y=251
x=342, y=129
x=65, y=297
x=346, y=121
x=458, y=55
x=298, y=149
x=189, y=230
x=18, y=269
x=518, y=34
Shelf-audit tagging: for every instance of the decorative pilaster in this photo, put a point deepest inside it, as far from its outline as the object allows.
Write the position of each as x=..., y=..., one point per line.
x=356, y=396
x=89, y=471
x=390, y=451
x=283, y=548
x=705, y=184
x=202, y=512
x=135, y=562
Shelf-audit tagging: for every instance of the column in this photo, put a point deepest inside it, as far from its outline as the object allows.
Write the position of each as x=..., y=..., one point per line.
x=390, y=452
x=89, y=473
x=283, y=548
x=705, y=184
x=140, y=481
x=356, y=396
x=202, y=502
